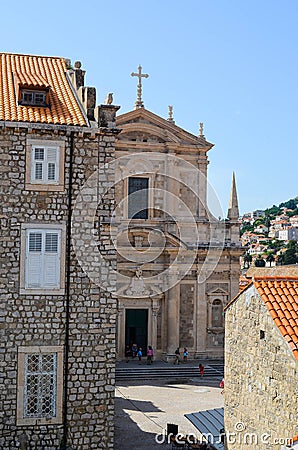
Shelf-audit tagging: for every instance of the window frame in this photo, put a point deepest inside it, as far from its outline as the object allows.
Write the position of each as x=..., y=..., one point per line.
x=26, y=229
x=34, y=93
x=45, y=184
x=23, y=352
x=149, y=198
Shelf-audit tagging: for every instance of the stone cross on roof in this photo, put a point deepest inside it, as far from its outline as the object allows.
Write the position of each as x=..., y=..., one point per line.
x=139, y=103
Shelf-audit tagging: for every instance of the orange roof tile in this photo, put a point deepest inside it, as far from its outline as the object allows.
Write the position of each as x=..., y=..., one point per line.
x=280, y=295
x=37, y=72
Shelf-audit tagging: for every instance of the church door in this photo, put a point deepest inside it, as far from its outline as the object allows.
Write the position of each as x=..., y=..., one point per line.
x=136, y=328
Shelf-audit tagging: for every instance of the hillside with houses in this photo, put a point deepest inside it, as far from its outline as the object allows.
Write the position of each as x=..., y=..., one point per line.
x=270, y=236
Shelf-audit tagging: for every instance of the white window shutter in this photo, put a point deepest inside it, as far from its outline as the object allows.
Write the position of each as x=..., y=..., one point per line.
x=34, y=269
x=51, y=270
x=51, y=260
x=52, y=164
x=43, y=259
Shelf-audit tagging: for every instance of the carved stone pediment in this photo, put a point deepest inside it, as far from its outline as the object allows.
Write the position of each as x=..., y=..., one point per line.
x=141, y=125
x=217, y=291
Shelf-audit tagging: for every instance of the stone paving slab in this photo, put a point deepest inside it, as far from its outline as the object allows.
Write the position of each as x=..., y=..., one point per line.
x=143, y=409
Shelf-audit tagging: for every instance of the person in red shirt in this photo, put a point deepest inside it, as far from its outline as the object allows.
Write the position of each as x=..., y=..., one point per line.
x=201, y=369
x=222, y=385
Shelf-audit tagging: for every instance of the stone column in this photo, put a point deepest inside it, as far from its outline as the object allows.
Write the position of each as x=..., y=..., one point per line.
x=155, y=308
x=173, y=309
x=121, y=331
x=201, y=318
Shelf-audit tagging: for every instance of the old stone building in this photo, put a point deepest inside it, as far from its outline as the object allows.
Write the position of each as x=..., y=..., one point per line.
x=57, y=327
x=261, y=365
x=178, y=264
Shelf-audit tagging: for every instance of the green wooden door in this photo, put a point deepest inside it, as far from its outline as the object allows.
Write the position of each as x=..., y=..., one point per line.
x=136, y=328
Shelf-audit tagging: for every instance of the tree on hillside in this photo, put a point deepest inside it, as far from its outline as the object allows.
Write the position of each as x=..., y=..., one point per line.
x=292, y=213
x=270, y=258
x=290, y=204
x=247, y=260
x=290, y=255
x=273, y=211
x=260, y=262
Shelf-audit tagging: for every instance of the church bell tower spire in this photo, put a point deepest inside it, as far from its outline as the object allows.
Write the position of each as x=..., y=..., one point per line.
x=233, y=211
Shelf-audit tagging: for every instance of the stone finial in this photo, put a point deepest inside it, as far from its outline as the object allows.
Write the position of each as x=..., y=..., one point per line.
x=109, y=99
x=77, y=75
x=201, y=130
x=139, y=103
x=233, y=211
x=67, y=63
x=170, y=114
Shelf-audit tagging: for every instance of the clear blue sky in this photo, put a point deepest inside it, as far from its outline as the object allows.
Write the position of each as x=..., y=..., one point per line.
x=231, y=64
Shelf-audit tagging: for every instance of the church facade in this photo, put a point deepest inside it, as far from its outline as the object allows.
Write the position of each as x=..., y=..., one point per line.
x=178, y=265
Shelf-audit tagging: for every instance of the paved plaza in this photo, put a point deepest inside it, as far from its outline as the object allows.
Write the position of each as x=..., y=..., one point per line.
x=143, y=408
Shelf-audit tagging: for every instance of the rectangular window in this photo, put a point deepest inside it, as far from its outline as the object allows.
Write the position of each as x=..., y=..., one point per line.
x=33, y=98
x=42, y=259
x=44, y=165
x=40, y=381
x=138, y=198
x=40, y=385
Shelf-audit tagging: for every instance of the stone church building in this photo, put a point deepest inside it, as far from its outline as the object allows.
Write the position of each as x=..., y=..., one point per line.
x=178, y=265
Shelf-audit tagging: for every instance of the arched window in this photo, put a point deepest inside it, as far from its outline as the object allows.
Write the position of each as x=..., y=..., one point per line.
x=217, y=314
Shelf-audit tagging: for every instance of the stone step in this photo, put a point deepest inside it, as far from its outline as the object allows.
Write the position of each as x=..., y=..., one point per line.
x=179, y=371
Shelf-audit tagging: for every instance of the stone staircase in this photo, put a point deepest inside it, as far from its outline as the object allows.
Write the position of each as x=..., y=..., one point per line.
x=166, y=371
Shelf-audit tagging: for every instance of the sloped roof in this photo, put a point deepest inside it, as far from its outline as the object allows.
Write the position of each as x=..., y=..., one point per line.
x=28, y=71
x=280, y=295
x=280, y=271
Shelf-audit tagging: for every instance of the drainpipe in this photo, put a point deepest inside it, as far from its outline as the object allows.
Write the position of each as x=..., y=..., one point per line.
x=67, y=295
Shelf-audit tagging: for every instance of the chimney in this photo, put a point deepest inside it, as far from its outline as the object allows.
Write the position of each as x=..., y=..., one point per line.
x=105, y=116
x=86, y=94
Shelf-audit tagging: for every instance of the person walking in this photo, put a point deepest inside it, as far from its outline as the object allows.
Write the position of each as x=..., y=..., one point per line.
x=222, y=386
x=185, y=355
x=140, y=354
x=127, y=353
x=149, y=355
x=201, y=369
x=177, y=356
x=134, y=350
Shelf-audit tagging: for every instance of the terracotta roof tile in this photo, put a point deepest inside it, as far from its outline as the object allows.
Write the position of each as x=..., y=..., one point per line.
x=280, y=295
x=39, y=72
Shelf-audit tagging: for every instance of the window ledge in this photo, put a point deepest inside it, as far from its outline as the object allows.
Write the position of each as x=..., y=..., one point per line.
x=44, y=187
x=41, y=291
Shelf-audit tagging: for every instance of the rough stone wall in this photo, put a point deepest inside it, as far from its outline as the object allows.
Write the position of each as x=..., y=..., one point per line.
x=261, y=395
x=27, y=320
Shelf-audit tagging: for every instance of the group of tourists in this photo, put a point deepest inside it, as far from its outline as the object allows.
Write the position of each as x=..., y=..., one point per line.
x=178, y=355
x=185, y=358
x=134, y=351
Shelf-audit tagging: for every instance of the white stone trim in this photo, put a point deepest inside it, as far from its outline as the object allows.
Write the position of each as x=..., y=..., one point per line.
x=42, y=186
x=39, y=290
x=22, y=351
